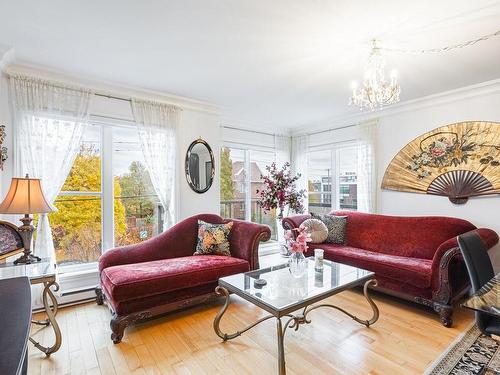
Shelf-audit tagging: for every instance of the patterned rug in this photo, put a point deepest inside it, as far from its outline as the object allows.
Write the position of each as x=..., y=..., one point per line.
x=471, y=354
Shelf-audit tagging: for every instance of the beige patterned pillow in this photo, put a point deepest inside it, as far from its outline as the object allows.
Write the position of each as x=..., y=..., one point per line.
x=336, y=227
x=317, y=229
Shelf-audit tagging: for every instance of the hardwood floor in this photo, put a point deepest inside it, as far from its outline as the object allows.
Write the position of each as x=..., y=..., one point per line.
x=405, y=340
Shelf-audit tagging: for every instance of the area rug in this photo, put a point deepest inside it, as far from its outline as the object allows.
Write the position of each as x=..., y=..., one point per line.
x=471, y=354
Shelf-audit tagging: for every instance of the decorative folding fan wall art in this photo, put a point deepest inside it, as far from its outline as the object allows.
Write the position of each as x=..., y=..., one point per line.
x=457, y=161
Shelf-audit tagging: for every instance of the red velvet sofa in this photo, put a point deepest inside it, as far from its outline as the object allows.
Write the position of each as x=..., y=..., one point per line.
x=162, y=274
x=415, y=258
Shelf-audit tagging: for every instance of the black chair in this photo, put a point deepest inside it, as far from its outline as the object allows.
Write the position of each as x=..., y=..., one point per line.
x=480, y=272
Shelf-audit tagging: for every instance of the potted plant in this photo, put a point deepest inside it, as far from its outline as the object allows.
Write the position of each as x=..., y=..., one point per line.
x=278, y=193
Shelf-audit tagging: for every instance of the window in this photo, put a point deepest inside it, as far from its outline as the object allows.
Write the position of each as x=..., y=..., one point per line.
x=76, y=225
x=107, y=199
x=332, y=179
x=240, y=179
x=258, y=162
x=138, y=211
x=347, y=177
x=233, y=183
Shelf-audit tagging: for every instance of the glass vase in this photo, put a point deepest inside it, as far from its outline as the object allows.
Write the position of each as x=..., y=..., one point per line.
x=297, y=264
x=282, y=243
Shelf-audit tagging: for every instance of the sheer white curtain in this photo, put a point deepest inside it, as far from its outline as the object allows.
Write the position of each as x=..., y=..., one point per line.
x=367, y=173
x=300, y=147
x=49, y=122
x=157, y=125
x=282, y=147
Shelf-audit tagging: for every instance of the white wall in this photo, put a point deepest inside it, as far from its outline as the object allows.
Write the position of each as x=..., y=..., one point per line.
x=395, y=131
x=194, y=126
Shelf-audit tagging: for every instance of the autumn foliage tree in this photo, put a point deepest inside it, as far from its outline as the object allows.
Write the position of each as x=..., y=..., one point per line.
x=76, y=225
x=138, y=198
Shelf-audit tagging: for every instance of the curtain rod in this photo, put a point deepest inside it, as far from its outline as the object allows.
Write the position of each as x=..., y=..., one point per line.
x=349, y=141
x=68, y=86
x=249, y=131
x=129, y=100
x=273, y=134
x=332, y=129
x=72, y=87
x=113, y=97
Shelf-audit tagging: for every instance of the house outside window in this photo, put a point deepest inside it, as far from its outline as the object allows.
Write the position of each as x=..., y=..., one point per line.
x=240, y=181
x=332, y=178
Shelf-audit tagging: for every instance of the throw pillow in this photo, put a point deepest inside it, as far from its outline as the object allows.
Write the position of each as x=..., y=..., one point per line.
x=336, y=227
x=213, y=238
x=317, y=229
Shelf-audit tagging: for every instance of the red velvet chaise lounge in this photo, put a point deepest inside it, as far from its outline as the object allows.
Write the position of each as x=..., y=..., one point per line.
x=162, y=274
x=415, y=258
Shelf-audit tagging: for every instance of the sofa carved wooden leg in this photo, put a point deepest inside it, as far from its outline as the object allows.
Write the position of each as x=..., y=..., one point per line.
x=99, y=296
x=445, y=314
x=117, y=325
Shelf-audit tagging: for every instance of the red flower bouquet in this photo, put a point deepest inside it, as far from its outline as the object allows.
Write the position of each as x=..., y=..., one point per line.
x=280, y=190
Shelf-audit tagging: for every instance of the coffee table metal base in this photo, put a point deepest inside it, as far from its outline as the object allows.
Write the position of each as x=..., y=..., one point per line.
x=293, y=322
x=51, y=312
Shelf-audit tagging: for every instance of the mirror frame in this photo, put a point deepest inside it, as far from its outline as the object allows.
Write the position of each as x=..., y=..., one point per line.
x=186, y=166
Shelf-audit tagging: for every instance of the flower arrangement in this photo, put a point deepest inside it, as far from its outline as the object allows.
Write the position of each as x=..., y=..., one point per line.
x=280, y=190
x=298, y=244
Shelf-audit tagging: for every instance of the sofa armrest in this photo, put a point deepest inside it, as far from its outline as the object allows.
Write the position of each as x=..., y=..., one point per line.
x=176, y=241
x=292, y=222
x=245, y=240
x=124, y=255
x=448, y=251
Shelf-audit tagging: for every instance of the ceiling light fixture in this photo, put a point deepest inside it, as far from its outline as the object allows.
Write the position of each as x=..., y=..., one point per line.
x=375, y=92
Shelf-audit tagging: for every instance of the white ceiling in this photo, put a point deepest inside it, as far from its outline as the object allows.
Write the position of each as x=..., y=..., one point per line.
x=279, y=63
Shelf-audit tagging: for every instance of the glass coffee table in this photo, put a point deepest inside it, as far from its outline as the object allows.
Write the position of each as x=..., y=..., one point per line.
x=487, y=299
x=285, y=296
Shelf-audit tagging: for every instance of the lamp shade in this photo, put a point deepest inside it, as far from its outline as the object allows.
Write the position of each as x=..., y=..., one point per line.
x=25, y=196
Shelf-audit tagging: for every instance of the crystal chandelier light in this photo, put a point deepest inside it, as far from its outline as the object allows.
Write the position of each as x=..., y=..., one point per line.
x=375, y=91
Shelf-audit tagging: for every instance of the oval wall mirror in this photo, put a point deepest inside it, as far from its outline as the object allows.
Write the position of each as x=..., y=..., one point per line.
x=200, y=166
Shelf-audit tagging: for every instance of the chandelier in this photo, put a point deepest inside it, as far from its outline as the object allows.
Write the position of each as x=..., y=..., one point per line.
x=375, y=92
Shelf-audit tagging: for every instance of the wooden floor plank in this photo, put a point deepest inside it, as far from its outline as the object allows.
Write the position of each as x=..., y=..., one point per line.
x=405, y=340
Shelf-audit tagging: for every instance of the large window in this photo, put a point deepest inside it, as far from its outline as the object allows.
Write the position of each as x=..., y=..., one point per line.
x=332, y=179
x=240, y=179
x=107, y=199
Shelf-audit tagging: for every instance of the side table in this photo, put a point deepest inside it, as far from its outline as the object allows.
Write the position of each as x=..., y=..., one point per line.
x=44, y=273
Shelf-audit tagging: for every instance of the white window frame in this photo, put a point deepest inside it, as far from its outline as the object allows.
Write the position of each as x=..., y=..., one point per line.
x=335, y=149
x=75, y=280
x=85, y=267
x=247, y=154
x=106, y=129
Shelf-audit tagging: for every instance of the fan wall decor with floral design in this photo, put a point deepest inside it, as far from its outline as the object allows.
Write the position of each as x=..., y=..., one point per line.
x=458, y=161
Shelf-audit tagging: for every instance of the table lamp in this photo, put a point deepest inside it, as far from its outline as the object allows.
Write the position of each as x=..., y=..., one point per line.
x=25, y=196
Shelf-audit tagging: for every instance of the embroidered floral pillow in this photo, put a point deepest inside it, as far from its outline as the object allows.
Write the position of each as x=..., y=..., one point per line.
x=213, y=238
